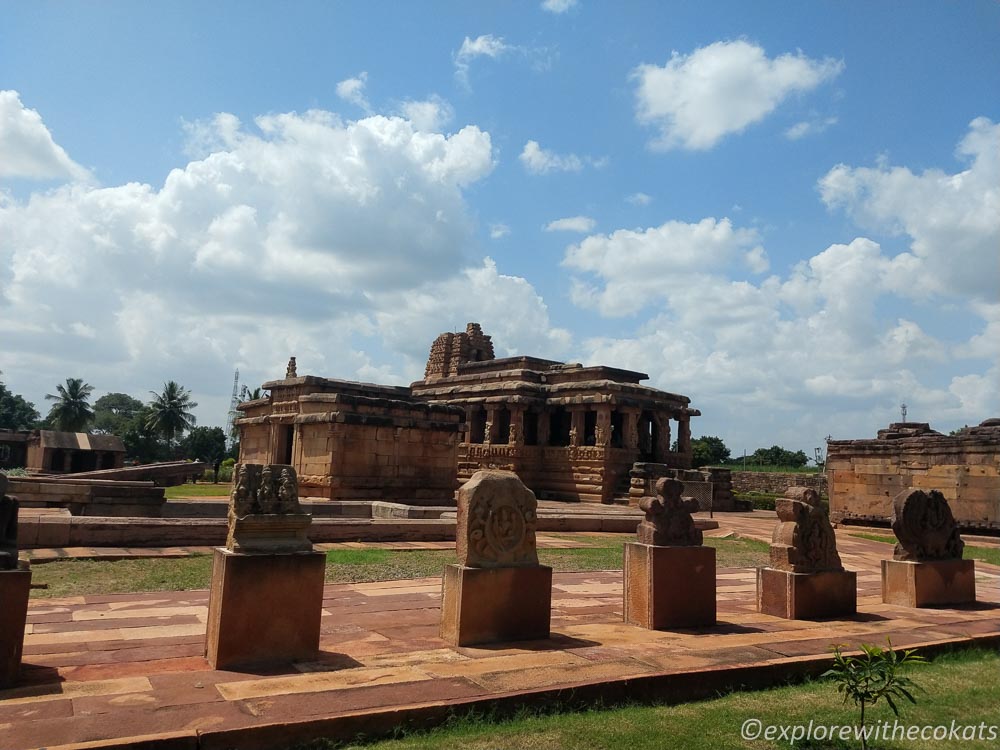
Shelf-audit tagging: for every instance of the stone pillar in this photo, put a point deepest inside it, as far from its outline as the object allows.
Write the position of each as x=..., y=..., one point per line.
x=15, y=585
x=490, y=433
x=266, y=596
x=498, y=591
x=68, y=460
x=516, y=434
x=577, y=427
x=684, y=435
x=630, y=424
x=602, y=434
x=663, y=440
x=544, y=426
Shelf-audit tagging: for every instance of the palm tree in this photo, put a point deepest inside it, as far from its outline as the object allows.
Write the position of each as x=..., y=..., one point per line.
x=71, y=411
x=171, y=411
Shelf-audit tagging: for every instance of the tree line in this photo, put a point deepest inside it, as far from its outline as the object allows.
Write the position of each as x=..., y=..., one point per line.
x=162, y=429
x=712, y=451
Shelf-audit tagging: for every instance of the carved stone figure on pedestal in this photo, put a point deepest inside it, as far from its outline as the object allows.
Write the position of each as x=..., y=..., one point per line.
x=806, y=579
x=668, y=517
x=264, y=511
x=927, y=568
x=498, y=591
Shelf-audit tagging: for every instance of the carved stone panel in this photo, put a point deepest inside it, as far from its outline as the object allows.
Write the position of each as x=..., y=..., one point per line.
x=925, y=527
x=496, y=521
x=264, y=510
x=803, y=540
x=668, y=521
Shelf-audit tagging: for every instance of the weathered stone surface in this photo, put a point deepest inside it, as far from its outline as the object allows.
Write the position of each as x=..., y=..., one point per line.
x=15, y=585
x=807, y=596
x=264, y=608
x=928, y=584
x=264, y=511
x=8, y=528
x=497, y=518
x=669, y=587
x=925, y=527
x=668, y=517
x=803, y=540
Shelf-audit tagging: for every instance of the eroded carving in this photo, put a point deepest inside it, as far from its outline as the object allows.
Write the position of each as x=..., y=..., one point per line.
x=290, y=369
x=8, y=528
x=496, y=521
x=803, y=540
x=668, y=521
x=264, y=510
x=925, y=527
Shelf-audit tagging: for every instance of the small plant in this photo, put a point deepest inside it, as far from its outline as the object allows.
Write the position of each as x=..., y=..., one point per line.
x=874, y=675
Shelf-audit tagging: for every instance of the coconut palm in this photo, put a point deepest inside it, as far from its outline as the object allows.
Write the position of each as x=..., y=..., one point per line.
x=71, y=411
x=171, y=411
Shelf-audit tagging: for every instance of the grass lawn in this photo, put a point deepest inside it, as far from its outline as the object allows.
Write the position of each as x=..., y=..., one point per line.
x=959, y=686
x=201, y=489
x=82, y=577
x=986, y=554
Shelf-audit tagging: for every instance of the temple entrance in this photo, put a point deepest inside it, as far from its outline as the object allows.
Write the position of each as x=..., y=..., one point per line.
x=560, y=422
x=649, y=437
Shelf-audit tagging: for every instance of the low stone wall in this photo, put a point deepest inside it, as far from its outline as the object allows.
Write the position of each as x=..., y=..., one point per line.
x=775, y=484
x=89, y=497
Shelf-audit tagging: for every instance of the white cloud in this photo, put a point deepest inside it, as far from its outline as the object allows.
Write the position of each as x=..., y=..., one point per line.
x=499, y=231
x=696, y=100
x=353, y=90
x=809, y=127
x=485, y=45
x=428, y=114
x=953, y=220
x=558, y=6
x=538, y=160
x=639, y=199
x=571, y=224
x=27, y=148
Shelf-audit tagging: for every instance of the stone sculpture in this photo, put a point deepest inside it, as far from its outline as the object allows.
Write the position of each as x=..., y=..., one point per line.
x=8, y=528
x=925, y=527
x=290, y=370
x=264, y=510
x=803, y=541
x=488, y=433
x=668, y=519
x=496, y=522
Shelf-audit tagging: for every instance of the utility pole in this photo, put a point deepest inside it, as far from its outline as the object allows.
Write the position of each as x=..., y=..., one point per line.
x=902, y=410
x=233, y=414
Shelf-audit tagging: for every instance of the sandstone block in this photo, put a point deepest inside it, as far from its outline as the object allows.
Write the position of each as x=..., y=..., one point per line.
x=669, y=587
x=15, y=585
x=492, y=605
x=807, y=596
x=928, y=584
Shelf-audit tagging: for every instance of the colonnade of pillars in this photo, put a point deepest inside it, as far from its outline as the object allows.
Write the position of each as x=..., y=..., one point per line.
x=645, y=432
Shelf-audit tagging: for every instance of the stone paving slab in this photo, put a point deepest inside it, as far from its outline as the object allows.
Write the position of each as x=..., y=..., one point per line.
x=128, y=669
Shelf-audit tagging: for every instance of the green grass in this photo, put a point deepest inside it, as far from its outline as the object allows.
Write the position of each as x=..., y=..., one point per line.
x=82, y=577
x=201, y=489
x=959, y=686
x=986, y=554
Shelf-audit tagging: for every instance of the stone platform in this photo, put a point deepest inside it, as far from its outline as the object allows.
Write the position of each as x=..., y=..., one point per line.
x=117, y=668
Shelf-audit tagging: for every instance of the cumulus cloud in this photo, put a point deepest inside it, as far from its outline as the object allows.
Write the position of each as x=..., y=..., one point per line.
x=430, y=114
x=484, y=45
x=538, y=160
x=558, y=6
x=26, y=146
x=353, y=90
x=498, y=231
x=639, y=199
x=571, y=224
x=809, y=127
x=953, y=220
x=285, y=239
x=696, y=100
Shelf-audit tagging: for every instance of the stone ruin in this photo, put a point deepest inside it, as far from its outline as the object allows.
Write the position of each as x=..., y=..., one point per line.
x=8, y=528
x=668, y=519
x=497, y=521
x=925, y=527
x=264, y=511
x=803, y=540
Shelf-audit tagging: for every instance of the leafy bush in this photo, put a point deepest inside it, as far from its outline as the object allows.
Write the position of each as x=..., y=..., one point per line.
x=16, y=472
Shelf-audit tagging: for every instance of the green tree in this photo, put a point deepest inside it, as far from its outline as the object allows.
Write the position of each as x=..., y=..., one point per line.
x=709, y=451
x=205, y=444
x=142, y=443
x=114, y=413
x=171, y=411
x=778, y=456
x=71, y=411
x=15, y=412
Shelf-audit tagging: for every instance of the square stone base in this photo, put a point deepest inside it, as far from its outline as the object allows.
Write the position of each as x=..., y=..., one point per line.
x=807, y=596
x=928, y=584
x=15, y=585
x=669, y=587
x=493, y=605
x=264, y=608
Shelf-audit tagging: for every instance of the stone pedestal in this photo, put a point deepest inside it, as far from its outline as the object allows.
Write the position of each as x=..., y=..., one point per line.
x=928, y=584
x=807, y=596
x=669, y=587
x=264, y=608
x=492, y=605
x=15, y=585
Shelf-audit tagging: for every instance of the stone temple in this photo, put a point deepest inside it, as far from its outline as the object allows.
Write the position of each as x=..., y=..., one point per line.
x=569, y=432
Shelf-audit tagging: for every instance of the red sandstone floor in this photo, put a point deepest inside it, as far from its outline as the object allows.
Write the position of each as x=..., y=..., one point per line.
x=106, y=667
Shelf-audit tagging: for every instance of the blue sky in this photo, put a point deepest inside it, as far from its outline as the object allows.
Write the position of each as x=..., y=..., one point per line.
x=788, y=211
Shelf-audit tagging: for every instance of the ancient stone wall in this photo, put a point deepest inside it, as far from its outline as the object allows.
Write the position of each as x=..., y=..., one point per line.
x=865, y=475
x=775, y=483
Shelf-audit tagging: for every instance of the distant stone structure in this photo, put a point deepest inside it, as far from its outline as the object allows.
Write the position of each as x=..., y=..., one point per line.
x=498, y=591
x=711, y=487
x=52, y=452
x=865, y=475
x=806, y=579
x=668, y=519
x=927, y=568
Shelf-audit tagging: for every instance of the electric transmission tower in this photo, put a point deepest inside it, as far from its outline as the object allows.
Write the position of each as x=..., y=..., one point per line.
x=233, y=414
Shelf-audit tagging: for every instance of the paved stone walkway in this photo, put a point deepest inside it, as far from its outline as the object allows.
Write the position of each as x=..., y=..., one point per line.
x=106, y=667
